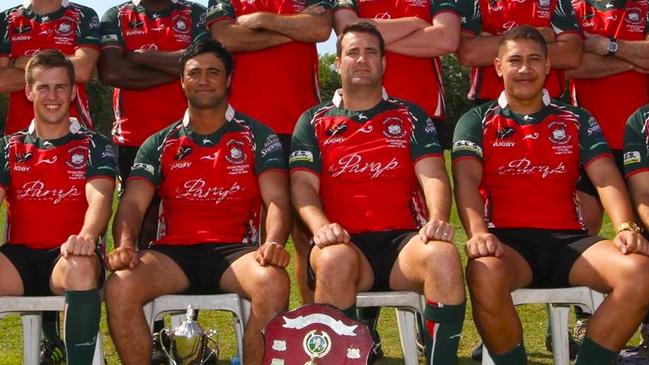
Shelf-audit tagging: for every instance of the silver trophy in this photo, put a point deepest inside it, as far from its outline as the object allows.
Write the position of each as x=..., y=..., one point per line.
x=188, y=342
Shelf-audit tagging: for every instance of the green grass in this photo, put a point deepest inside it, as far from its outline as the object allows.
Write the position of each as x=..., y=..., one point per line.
x=532, y=316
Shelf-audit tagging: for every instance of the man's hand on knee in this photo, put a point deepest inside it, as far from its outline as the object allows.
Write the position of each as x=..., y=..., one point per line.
x=122, y=258
x=272, y=253
x=77, y=245
x=436, y=230
x=631, y=242
x=330, y=234
x=482, y=245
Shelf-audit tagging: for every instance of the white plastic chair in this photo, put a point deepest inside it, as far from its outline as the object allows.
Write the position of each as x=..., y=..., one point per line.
x=239, y=307
x=407, y=305
x=559, y=301
x=30, y=309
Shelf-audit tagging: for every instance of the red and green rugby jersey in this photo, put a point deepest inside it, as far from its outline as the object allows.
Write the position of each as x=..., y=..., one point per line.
x=365, y=161
x=45, y=183
x=24, y=33
x=498, y=16
x=414, y=79
x=636, y=142
x=273, y=85
x=614, y=98
x=209, y=183
x=530, y=162
x=129, y=26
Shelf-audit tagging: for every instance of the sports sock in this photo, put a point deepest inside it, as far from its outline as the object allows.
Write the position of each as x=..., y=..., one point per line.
x=369, y=316
x=350, y=312
x=442, y=331
x=592, y=353
x=515, y=356
x=82, y=315
x=51, y=325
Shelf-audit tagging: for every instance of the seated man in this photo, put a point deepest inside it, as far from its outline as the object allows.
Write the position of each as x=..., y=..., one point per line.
x=214, y=170
x=515, y=164
x=58, y=178
x=367, y=171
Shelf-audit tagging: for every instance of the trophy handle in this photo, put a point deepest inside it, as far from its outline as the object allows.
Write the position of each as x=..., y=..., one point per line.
x=208, y=337
x=171, y=345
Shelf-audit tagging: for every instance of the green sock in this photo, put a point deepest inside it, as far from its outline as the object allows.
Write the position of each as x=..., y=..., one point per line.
x=592, y=353
x=442, y=329
x=51, y=325
x=515, y=356
x=350, y=312
x=369, y=316
x=82, y=315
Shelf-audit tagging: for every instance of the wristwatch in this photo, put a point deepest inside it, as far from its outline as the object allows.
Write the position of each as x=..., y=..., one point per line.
x=612, y=46
x=628, y=226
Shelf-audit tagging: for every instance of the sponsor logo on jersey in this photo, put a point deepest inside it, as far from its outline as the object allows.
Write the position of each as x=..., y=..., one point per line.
x=505, y=132
x=20, y=168
x=22, y=29
x=593, y=127
x=495, y=5
x=272, y=144
x=198, y=189
x=430, y=126
x=37, y=190
x=64, y=29
x=336, y=129
x=21, y=38
x=109, y=38
x=143, y=166
x=183, y=152
x=355, y=164
x=235, y=152
x=524, y=166
x=181, y=24
x=24, y=157
x=180, y=165
x=632, y=157
x=467, y=146
x=108, y=152
x=393, y=128
x=301, y=156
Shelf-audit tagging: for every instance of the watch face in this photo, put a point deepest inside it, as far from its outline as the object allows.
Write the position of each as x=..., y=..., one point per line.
x=612, y=46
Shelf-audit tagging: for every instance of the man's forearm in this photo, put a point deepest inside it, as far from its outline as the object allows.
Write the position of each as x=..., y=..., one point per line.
x=308, y=28
x=278, y=222
x=478, y=51
x=97, y=217
x=308, y=205
x=237, y=38
x=565, y=52
x=467, y=175
x=428, y=42
x=119, y=72
x=167, y=62
x=634, y=52
x=595, y=66
x=12, y=79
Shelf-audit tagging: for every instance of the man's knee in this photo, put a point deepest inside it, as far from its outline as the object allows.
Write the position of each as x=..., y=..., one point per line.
x=82, y=272
x=442, y=256
x=122, y=289
x=632, y=278
x=485, y=276
x=270, y=284
x=342, y=261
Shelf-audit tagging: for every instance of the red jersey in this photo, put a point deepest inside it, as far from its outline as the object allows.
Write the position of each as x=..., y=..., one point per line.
x=498, y=16
x=414, y=79
x=365, y=161
x=45, y=183
x=612, y=99
x=71, y=27
x=131, y=27
x=273, y=85
x=531, y=163
x=209, y=183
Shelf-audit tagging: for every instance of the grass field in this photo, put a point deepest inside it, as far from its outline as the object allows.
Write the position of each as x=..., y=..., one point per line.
x=533, y=317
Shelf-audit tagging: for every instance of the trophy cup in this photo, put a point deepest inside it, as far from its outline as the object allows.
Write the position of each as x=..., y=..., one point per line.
x=188, y=342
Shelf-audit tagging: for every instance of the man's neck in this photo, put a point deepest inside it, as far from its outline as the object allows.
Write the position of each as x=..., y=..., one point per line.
x=156, y=5
x=525, y=107
x=51, y=131
x=207, y=121
x=358, y=99
x=45, y=6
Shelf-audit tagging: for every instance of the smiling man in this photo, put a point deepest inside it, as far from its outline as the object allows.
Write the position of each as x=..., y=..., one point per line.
x=214, y=170
x=515, y=162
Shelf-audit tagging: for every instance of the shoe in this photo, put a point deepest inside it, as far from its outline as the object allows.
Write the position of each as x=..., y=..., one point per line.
x=644, y=334
x=476, y=354
x=573, y=345
x=638, y=355
x=580, y=329
x=210, y=357
x=52, y=352
x=158, y=356
x=377, y=350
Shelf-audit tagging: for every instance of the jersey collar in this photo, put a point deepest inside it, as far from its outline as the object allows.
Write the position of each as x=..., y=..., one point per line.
x=338, y=97
x=502, y=99
x=64, y=3
x=136, y=2
x=75, y=126
x=229, y=115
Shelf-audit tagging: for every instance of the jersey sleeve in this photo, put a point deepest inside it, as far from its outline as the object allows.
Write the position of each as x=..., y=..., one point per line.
x=147, y=161
x=5, y=45
x=89, y=29
x=327, y=4
x=111, y=34
x=443, y=6
x=268, y=152
x=347, y=4
x=305, y=151
x=219, y=10
x=564, y=19
x=5, y=178
x=425, y=140
x=199, y=30
x=636, y=149
x=591, y=140
x=467, y=138
x=470, y=18
x=101, y=161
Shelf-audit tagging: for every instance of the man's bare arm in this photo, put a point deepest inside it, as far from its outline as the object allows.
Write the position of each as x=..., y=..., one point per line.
x=434, y=182
x=611, y=190
x=392, y=30
x=310, y=26
x=305, y=195
x=99, y=194
x=84, y=60
x=633, y=52
x=595, y=66
x=566, y=51
x=130, y=212
x=273, y=186
x=167, y=62
x=238, y=38
x=467, y=174
x=438, y=39
x=117, y=71
x=477, y=50
x=640, y=193
x=11, y=78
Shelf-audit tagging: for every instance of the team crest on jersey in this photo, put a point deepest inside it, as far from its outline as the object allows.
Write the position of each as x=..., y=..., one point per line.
x=393, y=128
x=634, y=16
x=77, y=159
x=235, y=152
x=181, y=24
x=64, y=29
x=544, y=3
x=559, y=133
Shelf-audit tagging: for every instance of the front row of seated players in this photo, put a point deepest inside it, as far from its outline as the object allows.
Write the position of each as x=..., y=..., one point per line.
x=366, y=168
x=515, y=162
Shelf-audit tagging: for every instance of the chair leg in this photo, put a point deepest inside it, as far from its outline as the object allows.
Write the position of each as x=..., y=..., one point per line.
x=486, y=357
x=240, y=325
x=32, y=325
x=407, y=322
x=98, y=358
x=559, y=328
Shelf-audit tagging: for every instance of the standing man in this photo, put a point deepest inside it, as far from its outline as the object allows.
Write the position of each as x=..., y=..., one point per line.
x=58, y=179
x=141, y=44
x=347, y=153
x=214, y=169
x=45, y=24
x=485, y=21
x=516, y=161
x=611, y=82
x=416, y=35
x=276, y=77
